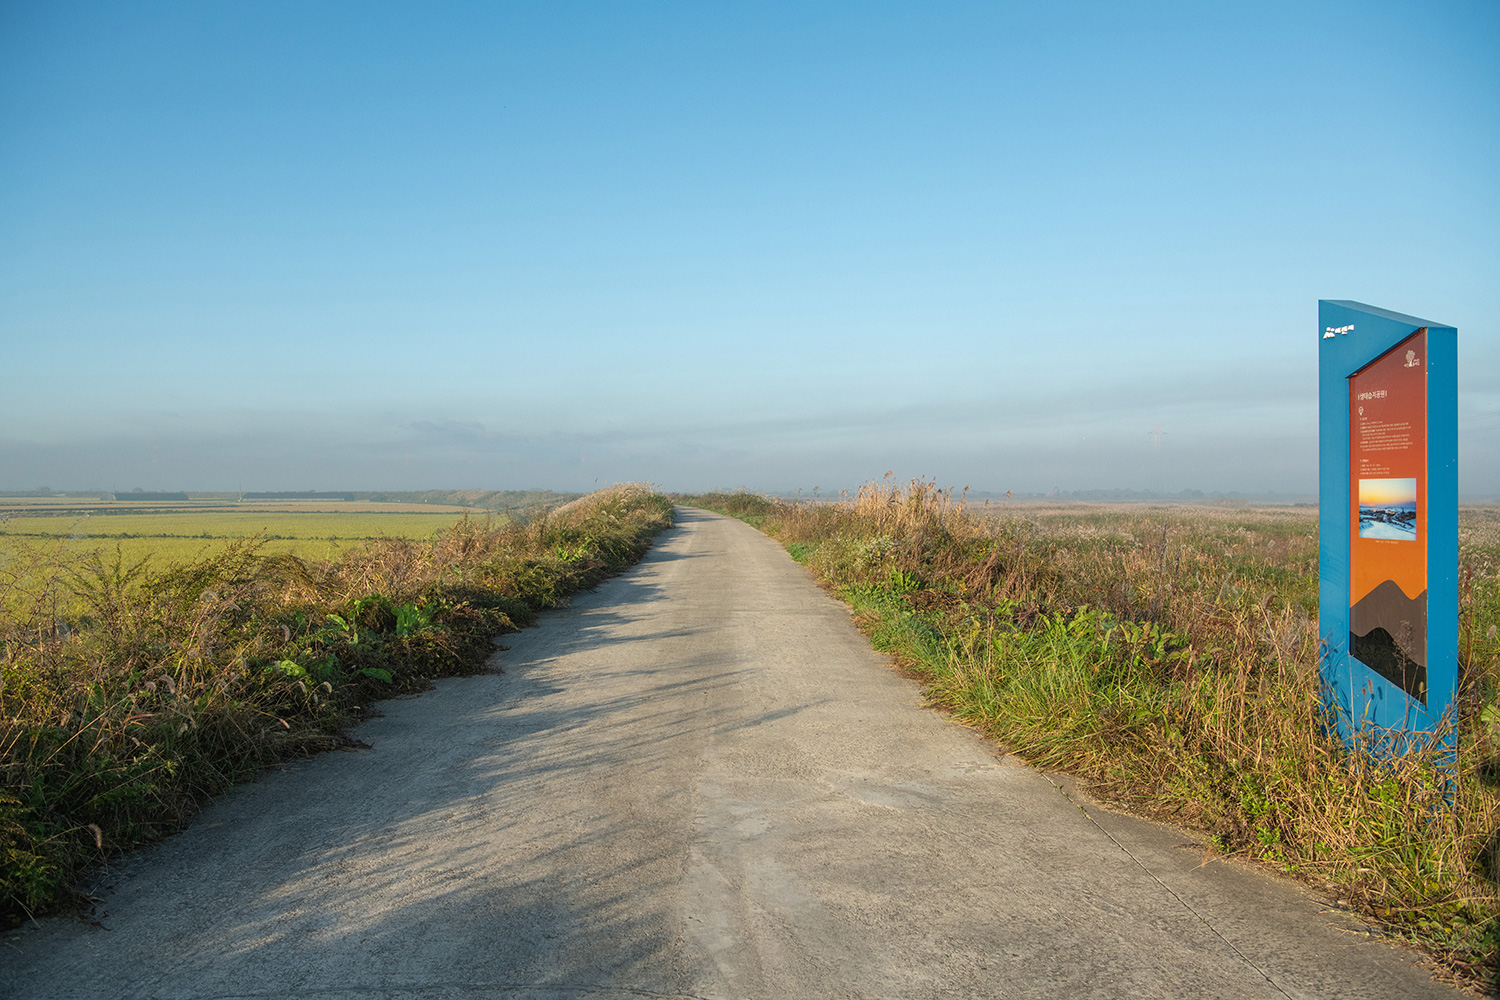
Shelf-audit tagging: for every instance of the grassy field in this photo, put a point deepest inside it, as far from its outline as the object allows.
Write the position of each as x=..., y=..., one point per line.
x=524, y=502
x=65, y=531
x=1168, y=655
x=131, y=690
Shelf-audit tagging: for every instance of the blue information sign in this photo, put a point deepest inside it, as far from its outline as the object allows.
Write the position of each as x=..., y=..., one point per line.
x=1387, y=516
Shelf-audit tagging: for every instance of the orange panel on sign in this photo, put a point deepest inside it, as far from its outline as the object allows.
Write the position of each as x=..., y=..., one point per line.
x=1388, y=519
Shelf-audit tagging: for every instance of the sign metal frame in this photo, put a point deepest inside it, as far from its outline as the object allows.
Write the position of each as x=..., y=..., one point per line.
x=1357, y=356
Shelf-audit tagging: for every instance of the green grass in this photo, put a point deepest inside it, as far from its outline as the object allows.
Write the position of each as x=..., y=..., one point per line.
x=1167, y=655
x=134, y=689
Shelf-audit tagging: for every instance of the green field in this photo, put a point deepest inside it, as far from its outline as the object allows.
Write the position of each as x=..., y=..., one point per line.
x=177, y=533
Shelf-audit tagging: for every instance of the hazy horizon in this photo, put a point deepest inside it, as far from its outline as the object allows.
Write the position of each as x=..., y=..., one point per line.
x=1187, y=495
x=1074, y=246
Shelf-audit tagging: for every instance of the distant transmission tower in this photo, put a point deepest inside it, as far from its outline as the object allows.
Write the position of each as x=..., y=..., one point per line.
x=1156, y=434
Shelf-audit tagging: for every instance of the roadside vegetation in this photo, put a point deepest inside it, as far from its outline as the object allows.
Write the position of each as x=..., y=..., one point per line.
x=1168, y=657
x=136, y=687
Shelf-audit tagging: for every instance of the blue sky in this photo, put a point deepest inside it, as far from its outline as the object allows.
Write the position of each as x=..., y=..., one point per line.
x=396, y=246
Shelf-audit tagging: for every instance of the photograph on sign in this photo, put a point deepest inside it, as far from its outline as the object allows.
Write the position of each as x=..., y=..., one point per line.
x=1388, y=473
x=1388, y=509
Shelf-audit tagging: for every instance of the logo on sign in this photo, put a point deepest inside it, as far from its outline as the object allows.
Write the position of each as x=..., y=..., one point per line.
x=1412, y=361
x=1329, y=332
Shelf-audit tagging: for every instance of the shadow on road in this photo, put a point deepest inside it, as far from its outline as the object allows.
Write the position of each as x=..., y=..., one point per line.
x=503, y=834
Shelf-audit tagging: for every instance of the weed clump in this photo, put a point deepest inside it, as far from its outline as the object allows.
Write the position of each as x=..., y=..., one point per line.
x=1168, y=656
x=132, y=692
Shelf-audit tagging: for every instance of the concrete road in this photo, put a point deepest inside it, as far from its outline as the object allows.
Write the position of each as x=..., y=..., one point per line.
x=699, y=781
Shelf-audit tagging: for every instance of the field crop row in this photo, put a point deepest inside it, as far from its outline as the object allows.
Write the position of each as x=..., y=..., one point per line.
x=171, y=537
x=221, y=524
x=520, y=502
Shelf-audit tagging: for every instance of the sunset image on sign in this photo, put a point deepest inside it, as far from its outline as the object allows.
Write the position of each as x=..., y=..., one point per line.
x=1388, y=509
